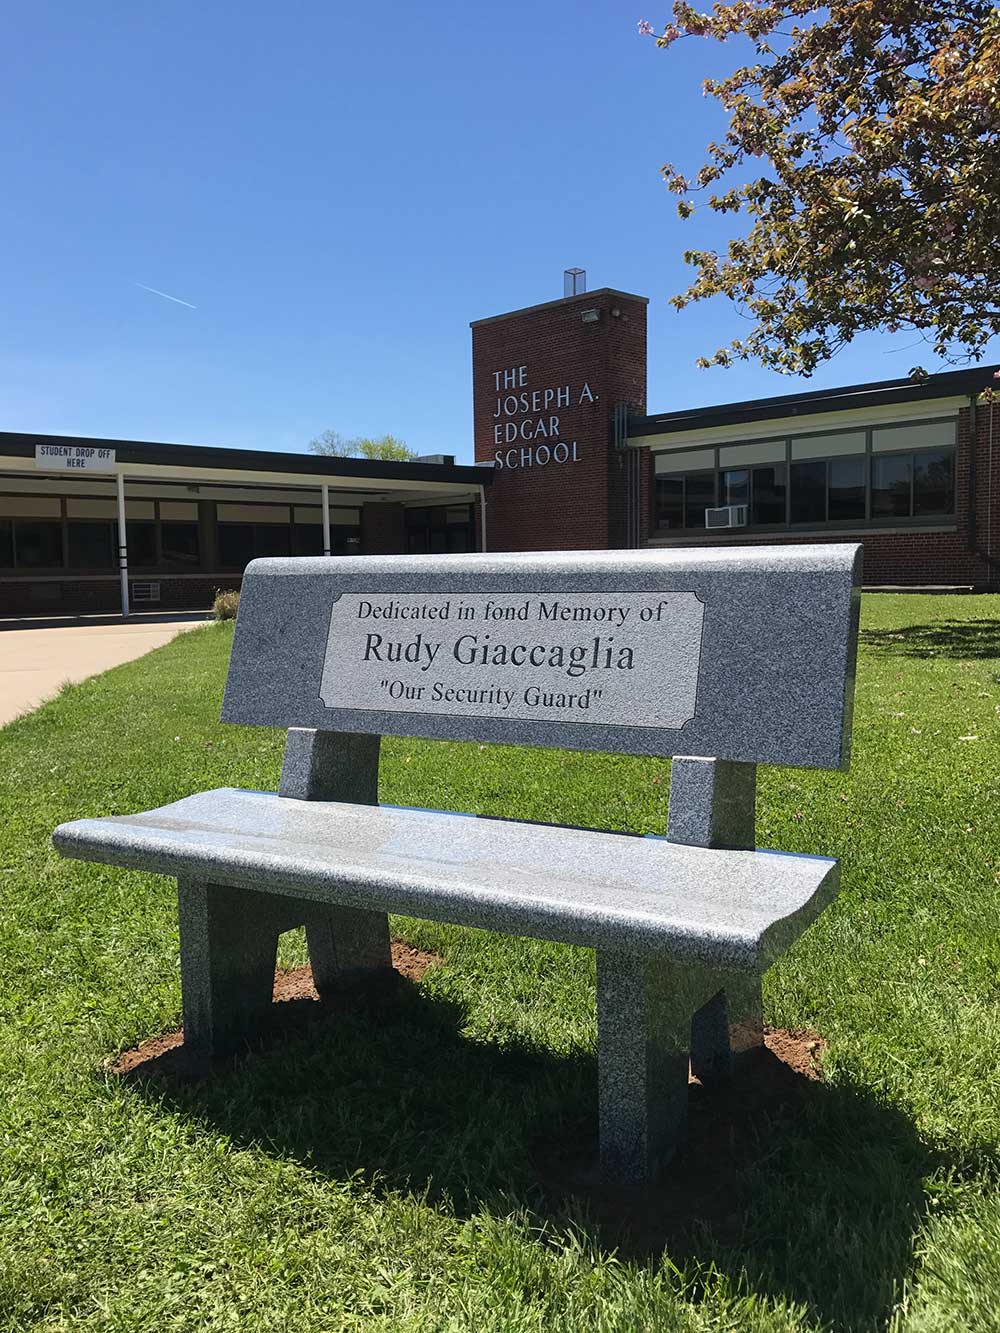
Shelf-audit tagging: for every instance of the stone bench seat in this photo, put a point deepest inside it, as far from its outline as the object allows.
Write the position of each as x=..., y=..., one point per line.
x=735, y=910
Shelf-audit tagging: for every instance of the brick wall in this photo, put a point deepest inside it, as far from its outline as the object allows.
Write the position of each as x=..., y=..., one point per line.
x=559, y=485
x=82, y=596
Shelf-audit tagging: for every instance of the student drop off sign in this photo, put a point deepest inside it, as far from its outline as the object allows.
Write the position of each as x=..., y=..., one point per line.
x=566, y=657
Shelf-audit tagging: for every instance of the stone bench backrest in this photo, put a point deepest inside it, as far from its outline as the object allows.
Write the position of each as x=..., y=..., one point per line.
x=742, y=654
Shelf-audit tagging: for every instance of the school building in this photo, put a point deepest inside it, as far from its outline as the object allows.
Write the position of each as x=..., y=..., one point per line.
x=567, y=456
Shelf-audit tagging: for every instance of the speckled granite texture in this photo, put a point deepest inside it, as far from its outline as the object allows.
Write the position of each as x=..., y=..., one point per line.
x=644, y=1009
x=727, y=909
x=345, y=943
x=713, y=804
x=778, y=640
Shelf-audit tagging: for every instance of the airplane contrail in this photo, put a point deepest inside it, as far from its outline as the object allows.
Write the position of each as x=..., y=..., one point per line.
x=166, y=296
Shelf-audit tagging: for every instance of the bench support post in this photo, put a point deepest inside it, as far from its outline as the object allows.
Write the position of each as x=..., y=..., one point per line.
x=345, y=945
x=229, y=936
x=644, y=1009
x=229, y=943
x=712, y=804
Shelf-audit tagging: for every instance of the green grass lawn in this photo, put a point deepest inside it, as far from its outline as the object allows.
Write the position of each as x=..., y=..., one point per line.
x=378, y=1172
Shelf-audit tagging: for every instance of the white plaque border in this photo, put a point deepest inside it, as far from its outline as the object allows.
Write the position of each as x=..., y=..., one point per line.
x=513, y=722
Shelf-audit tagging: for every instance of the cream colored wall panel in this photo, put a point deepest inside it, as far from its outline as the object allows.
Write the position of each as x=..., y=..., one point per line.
x=699, y=460
x=29, y=506
x=78, y=508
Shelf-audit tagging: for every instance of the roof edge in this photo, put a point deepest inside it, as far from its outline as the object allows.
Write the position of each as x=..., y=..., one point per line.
x=18, y=444
x=847, y=397
x=562, y=300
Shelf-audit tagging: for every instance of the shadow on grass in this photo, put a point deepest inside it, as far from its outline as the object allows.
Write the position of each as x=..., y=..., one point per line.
x=799, y=1189
x=965, y=639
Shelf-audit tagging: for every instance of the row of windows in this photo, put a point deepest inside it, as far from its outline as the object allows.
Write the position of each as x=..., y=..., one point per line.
x=31, y=541
x=239, y=543
x=830, y=490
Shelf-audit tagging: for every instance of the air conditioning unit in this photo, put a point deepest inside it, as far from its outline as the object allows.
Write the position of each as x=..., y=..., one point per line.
x=145, y=592
x=729, y=516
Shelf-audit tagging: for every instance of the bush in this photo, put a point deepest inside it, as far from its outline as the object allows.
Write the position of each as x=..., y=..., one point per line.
x=226, y=604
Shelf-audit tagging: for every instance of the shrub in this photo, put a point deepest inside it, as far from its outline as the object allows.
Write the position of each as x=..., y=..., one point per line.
x=226, y=604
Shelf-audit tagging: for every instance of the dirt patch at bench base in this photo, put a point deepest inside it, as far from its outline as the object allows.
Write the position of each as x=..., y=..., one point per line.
x=726, y=1130
x=297, y=1004
x=727, y=1125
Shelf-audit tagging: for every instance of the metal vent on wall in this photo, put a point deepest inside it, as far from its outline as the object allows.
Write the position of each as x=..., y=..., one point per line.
x=729, y=516
x=145, y=592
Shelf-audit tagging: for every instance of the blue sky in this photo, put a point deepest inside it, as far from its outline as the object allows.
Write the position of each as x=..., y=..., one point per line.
x=338, y=190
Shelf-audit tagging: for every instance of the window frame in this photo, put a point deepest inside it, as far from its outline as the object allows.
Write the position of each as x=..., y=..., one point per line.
x=65, y=519
x=337, y=530
x=439, y=523
x=683, y=477
x=869, y=520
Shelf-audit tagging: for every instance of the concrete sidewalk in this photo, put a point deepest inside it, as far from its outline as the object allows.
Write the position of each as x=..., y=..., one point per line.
x=38, y=656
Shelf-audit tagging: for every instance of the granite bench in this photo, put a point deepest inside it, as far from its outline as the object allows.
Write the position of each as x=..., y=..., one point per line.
x=745, y=656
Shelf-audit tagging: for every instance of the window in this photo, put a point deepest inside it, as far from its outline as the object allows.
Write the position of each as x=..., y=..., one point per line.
x=669, y=502
x=934, y=483
x=829, y=446
x=925, y=435
x=439, y=529
x=768, y=491
x=31, y=532
x=846, y=488
x=91, y=545
x=251, y=531
x=919, y=484
x=913, y=469
x=808, y=493
x=307, y=530
x=761, y=488
x=831, y=489
x=272, y=539
x=235, y=545
x=141, y=544
x=681, y=500
x=307, y=539
x=747, y=455
x=735, y=487
x=180, y=545
x=699, y=495
x=38, y=544
x=891, y=485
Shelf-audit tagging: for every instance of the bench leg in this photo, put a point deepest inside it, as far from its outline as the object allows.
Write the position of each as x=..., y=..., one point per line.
x=712, y=804
x=727, y=1029
x=229, y=945
x=347, y=946
x=644, y=1012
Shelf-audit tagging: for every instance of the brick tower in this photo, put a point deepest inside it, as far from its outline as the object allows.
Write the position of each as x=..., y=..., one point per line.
x=547, y=381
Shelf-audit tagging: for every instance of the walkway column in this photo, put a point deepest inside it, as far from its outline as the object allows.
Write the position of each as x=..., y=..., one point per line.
x=326, y=518
x=122, y=543
x=482, y=519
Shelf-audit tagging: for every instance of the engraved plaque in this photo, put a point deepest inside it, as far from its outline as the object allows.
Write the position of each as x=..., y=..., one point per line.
x=554, y=657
